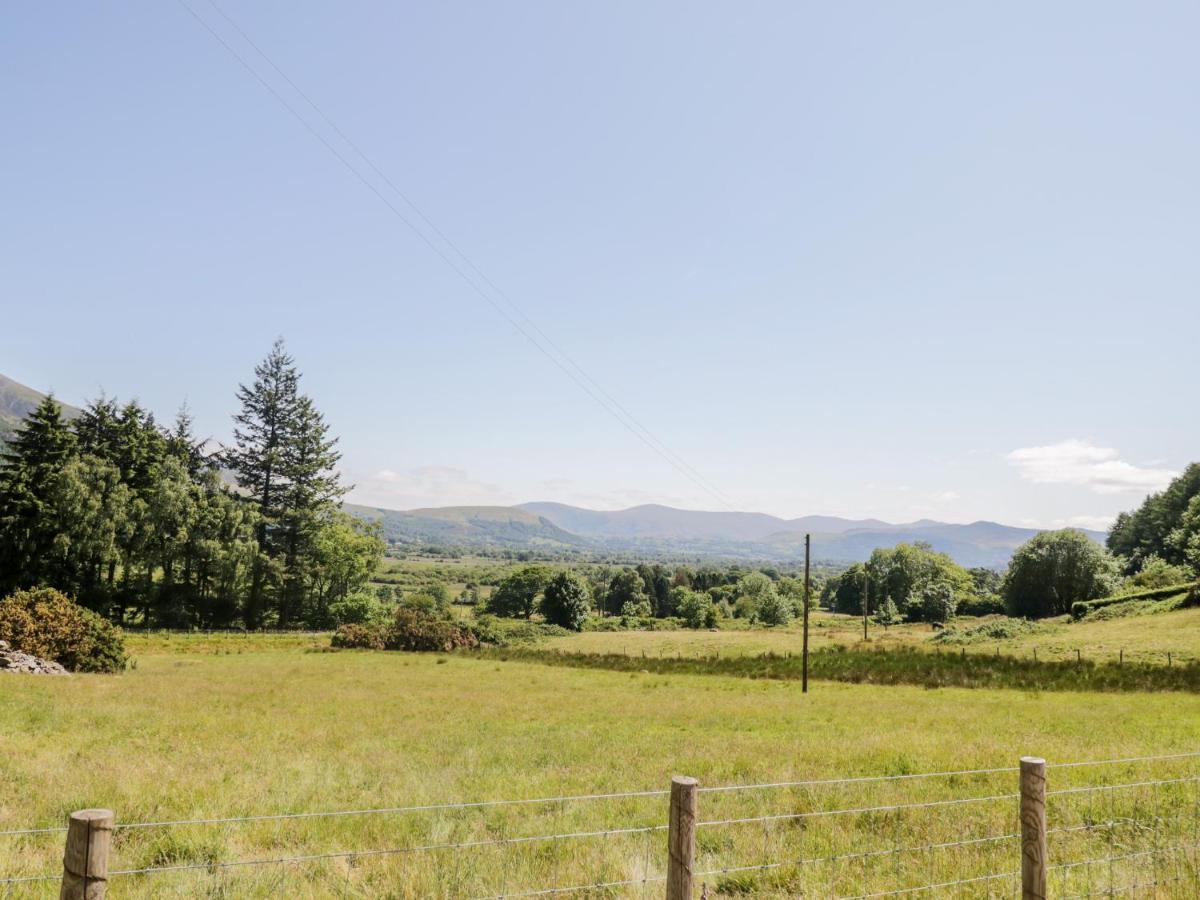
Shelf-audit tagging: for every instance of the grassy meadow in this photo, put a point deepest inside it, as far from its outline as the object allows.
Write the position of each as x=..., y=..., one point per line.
x=226, y=725
x=1146, y=638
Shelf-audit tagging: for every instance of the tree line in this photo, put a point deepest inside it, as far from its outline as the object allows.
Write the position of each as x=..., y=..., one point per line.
x=138, y=522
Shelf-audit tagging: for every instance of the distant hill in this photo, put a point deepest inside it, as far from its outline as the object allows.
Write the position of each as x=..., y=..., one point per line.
x=16, y=402
x=665, y=522
x=468, y=526
x=978, y=544
x=654, y=529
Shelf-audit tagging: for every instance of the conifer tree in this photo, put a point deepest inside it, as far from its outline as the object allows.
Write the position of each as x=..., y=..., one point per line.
x=181, y=444
x=29, y=469
x=312, y=493
x=262, y=431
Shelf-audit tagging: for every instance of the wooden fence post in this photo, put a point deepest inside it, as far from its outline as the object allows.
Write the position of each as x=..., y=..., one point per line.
x=85, y=862
x=1033, y=828
x=681, y=838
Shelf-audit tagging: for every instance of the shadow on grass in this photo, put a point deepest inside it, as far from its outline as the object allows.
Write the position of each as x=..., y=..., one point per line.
x=898, y=666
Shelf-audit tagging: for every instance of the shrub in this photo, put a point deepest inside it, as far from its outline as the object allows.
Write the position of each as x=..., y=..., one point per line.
x=1082, y=608
x=1158, y=573
x=357, y=637
x=426, y=603
x=355, y=609
x=774, y=609
x=696, y=609
x=46, y=623
x=996, y=630
x=887, y=614
x=983, y=605
x=412, y=629
x=635, y=609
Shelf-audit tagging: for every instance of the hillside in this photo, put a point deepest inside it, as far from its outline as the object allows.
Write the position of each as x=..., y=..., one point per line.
x=468, y=526
x=977, y=544
x=663, y=530
x=16, y=402
x=665, y=522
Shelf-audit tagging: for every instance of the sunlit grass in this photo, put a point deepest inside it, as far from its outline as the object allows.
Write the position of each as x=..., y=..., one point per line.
x=1147, y=638
x=200, y=729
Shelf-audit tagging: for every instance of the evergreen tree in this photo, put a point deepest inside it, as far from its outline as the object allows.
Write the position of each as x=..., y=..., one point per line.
x=96, y=429
x=29, y=470
x=181, y=444
x=262, y=431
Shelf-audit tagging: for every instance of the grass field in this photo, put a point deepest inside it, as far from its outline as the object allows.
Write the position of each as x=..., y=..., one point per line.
x=217, y=726
x=1148, y=638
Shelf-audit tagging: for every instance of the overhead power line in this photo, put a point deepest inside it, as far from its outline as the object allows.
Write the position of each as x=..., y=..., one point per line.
x=463, y=266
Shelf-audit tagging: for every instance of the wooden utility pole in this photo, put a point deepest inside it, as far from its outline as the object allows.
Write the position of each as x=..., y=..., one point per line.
x=681, y=838
x=807, y=602
x=866, y=599
x=1033, y=828
x=85, y=862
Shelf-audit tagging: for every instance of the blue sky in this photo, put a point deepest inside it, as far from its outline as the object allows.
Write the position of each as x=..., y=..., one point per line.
x=901, y=260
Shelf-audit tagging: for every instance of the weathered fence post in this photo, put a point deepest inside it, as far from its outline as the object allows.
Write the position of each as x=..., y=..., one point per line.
x=1033, y=828
x=681, y=838
x=85, y=862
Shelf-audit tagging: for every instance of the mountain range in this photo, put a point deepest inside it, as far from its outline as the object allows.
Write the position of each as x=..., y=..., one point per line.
x=648, y=529
x=665, y=530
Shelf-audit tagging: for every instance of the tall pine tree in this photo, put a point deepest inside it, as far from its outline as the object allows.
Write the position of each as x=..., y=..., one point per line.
x=29, y=470
x=311, y=496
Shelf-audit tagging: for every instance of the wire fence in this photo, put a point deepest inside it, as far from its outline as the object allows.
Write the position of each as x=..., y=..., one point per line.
x=1128, y=827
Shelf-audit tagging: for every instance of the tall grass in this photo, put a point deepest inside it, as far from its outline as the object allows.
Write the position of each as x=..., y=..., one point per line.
x=956, y=668
x=202, y=731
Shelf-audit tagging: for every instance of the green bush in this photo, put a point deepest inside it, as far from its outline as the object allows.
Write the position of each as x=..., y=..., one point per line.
x=355, y=609
x=774, y=609
x=46, y=623
x=635, y=609
x=995, y=630
x=489, y=629
x=696, y=609
x=985, y=605
x=1081, y=608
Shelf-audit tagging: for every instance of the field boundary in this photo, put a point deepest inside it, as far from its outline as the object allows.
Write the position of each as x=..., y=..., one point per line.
x=890, y=666
x=90, y=833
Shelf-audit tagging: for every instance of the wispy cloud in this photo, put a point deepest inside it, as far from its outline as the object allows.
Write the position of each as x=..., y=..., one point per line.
x=1099, y=469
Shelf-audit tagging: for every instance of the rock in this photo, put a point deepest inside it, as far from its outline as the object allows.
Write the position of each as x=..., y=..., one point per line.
x=16, y=661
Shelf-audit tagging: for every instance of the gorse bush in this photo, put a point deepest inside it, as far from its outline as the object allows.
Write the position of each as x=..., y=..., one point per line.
x=412, y=629
x=357, y=637
x=409, y=629
x=46, y=623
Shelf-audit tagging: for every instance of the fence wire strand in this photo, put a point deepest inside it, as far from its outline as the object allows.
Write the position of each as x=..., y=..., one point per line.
x=1110, y=859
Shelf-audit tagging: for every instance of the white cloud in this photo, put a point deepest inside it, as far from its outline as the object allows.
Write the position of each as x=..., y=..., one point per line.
x=1082, y=463
x=427, y=486
x=944, y=496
